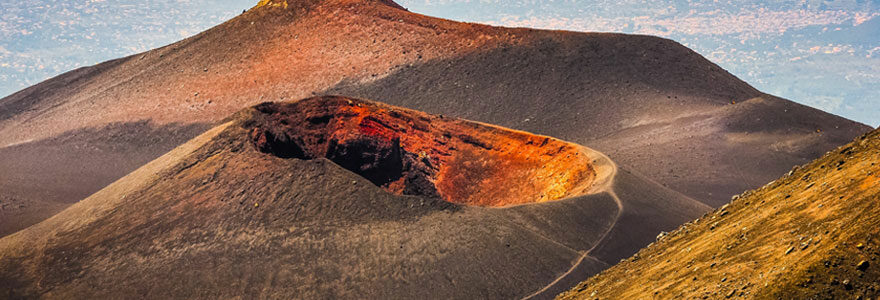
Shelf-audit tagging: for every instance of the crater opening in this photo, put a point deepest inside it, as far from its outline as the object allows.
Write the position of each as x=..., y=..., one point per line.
x=412, y=153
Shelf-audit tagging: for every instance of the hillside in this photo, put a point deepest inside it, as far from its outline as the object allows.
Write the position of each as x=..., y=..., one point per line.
x=651, y=104
x=325, y=197
x=813, y=234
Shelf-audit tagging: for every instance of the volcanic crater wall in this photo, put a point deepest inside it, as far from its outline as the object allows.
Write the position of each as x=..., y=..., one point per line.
x=412, y=153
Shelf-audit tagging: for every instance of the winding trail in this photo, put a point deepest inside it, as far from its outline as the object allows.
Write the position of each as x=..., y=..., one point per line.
x=606, y=172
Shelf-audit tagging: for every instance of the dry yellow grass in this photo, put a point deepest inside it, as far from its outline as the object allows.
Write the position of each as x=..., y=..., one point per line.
x=811, y=234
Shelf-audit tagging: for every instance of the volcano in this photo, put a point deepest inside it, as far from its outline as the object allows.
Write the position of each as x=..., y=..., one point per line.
x=327, y=197
x=649, y=103
x=334, y=196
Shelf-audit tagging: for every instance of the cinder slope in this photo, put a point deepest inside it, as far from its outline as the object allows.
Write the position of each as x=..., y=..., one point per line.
x=813, y=234
x=39, y=179
x=650, y=103
x=222, y=217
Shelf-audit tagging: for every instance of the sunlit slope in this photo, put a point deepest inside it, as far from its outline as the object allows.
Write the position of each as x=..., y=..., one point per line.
x=811, y=234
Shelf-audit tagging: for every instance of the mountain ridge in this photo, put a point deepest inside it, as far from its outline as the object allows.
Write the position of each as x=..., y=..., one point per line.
x=610, y=85
x=685, y=134
x=297, y=4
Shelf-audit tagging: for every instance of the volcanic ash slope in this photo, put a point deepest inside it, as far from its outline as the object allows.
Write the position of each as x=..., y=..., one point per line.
x=813, y=234
x=651, y=104
x=344, y=198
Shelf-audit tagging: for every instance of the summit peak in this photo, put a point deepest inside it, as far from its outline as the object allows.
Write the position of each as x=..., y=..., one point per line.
x=301, y=3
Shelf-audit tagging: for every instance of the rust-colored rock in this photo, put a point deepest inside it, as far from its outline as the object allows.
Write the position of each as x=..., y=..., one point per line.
x=414, y=153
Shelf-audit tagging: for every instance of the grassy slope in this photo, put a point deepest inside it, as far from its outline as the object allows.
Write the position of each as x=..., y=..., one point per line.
x=803, y=236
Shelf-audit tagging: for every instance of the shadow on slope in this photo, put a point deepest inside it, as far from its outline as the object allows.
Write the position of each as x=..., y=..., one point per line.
x=651, y=104
x=584, y=87
x=43, y=177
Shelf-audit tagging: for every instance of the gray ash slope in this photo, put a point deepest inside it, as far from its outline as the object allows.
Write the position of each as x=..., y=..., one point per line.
x=42, y=178
x=651, y=104
x=216, y=218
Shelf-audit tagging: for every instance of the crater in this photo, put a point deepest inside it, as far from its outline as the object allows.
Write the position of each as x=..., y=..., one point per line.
x=408, y=152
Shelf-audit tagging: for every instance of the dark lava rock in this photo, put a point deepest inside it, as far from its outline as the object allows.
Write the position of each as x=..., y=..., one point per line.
x=863, y=265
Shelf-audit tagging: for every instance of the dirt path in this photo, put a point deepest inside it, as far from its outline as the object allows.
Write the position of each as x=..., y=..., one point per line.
x=606, y=171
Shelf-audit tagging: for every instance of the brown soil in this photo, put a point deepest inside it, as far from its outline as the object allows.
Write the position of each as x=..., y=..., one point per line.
x=412, y=153
x=813, y=234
